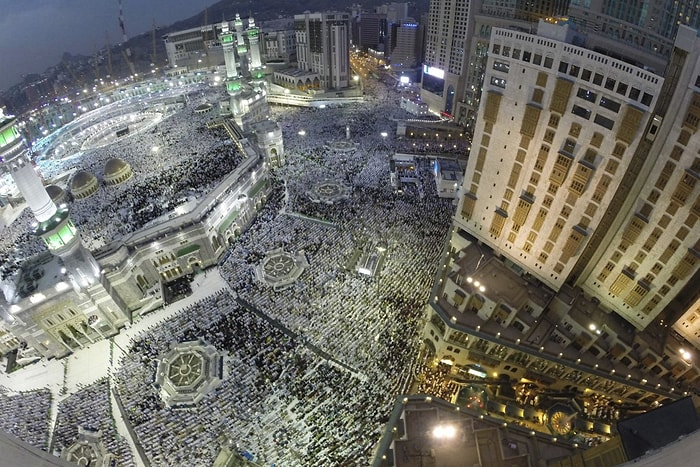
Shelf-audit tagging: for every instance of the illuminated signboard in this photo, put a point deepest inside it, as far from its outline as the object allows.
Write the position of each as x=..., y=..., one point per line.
x=432, y=71
x=227, y=38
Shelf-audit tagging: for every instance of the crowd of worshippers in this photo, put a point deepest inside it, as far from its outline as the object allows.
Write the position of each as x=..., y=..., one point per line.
x=282, y=397
x=89, y=410
x=175, y=161
x=271, y=381
x=26, y=415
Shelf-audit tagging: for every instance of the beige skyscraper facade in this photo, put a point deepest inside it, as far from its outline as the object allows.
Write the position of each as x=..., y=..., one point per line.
x=578, y=176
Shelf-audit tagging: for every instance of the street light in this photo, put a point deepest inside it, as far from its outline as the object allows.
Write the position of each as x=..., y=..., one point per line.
x=444, y=432
x=476, y=284
x=686, y=355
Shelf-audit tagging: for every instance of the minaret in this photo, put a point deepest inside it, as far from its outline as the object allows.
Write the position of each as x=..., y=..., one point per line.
x=255, y=62
x=240, y=38
x=15, y=161
x=233, y=79
x=53, y=223
x=94, y=311
x=228, y=43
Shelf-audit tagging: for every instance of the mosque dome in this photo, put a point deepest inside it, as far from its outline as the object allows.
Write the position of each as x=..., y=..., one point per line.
x=83, y=184
x=57, y=194
x=117, y=171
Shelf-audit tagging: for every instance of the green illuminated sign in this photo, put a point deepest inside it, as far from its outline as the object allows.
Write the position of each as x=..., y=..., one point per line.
x=67, y=232
x=60, y=238
x=242, y=49
x=227, y=38
x=53, y=242
x=252, y=32
x=8, y=135
x=233, y=86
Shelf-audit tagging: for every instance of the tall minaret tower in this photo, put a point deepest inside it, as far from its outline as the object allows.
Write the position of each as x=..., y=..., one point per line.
x=233, y=78
x=228, y=42
x=53, y=223
x=240, y=35
x=243, y=59
x=57, y=318
x=255, y=62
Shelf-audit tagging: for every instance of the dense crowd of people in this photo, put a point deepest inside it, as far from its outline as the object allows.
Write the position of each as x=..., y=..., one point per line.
x=282, y=400
x=26, y=415
x=435, y=381
x=271, y=382
x=174, y=160
x=90, y=409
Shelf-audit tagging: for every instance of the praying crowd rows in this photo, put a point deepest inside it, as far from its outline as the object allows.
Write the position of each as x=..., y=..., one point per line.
x=281, y=399
x=26, y=415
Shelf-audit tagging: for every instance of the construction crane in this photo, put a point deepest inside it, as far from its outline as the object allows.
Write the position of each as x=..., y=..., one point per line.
x=108, y=46
x=206, y=35
x=96, y=64
x=74, y=77
x=126, y=51
x=154, y=54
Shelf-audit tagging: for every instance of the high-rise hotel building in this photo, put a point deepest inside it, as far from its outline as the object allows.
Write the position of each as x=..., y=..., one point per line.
x=456, y=46
x=323, y=47
x=641, y=33
x=574, y=235
x=583, y=169
x=446, y=40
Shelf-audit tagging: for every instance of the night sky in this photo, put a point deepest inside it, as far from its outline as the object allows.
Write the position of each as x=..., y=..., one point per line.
x=35, y=33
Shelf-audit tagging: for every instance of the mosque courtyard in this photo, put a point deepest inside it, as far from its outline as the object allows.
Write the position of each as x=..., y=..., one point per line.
x=300, y=356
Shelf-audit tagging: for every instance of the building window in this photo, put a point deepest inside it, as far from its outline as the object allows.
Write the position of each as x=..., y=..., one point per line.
x=586, y=94
x=581, y=112
x=619, y=150
x=609, y=104
x=501, y=66
x=537, y=95
x=604, y=121
x=500, y=82
x=553, y=121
